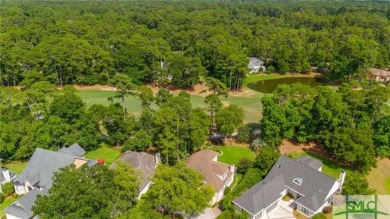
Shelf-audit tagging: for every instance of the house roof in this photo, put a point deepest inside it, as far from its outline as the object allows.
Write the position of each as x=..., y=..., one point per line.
x=75, y=149
x=380, y=72
x=212, y=171
x=3, y=178
x=144, y=162
x=254, y=62
x=309, y=161
x=22, y=208
x=313, y=185
x=261, y=195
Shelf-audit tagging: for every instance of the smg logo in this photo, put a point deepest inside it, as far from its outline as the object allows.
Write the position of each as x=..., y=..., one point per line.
x=362, y=205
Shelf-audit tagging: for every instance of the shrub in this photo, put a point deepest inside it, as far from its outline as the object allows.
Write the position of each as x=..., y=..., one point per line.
x=270, y=69
x=319, y=216
x=227, y=190
x=8, y=189
x=327, y=209
x=243, y=165
x=244, y=133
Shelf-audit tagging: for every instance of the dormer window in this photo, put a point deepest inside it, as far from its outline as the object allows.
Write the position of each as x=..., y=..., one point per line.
x=298, y=180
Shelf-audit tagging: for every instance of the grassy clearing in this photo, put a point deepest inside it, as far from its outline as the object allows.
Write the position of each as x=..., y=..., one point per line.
x=379, y=177
x=251, y=104
x=107, y=153
x=16, y=166
x=260, y=77
x=9, y=200
x=233, y=154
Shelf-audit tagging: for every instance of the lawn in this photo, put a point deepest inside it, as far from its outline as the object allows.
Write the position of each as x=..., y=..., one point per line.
x=379, y=177
x=107, y=153
x=251, y=104
x=233, y=154
x=16, y=166
x=260, y=77
x=9, y=200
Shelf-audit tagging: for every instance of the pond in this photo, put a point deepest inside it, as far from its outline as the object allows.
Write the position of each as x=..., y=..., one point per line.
x=268, y=86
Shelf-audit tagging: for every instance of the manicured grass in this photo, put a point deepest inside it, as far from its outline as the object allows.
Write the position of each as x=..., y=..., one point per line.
x=263, y=76
x=16, y=166
x=107, y=153
x=379, y=177
x=387, y=183
x=251, y=104
x=9, y=200
x=233, y=154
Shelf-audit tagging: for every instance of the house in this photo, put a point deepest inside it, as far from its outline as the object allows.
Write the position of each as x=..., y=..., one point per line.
x=256, y=65
x=311, y=190
x=380, y=75
x=144, y=162
x=36, y=177
x=216, y=174
x=6, y=176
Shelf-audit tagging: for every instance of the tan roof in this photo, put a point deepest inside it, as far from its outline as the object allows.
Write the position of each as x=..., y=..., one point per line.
x=380, y=72
x=211, y=170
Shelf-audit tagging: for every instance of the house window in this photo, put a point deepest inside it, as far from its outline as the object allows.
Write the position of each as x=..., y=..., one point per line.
x=305, y=210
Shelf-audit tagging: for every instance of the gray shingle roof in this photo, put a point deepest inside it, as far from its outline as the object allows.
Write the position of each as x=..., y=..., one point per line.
x=22, y=208
x=314, y=188
x=42, y=165
x=142, y=161
x=254, y=62
x=309, y=161
x=261, y=195
x=75, y=149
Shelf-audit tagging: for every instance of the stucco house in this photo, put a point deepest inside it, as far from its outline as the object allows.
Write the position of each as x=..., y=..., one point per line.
x=380, y=75
x=216, y=174
x=311, y=189
x=144, y=162
x=36, y=177
x=255, y=65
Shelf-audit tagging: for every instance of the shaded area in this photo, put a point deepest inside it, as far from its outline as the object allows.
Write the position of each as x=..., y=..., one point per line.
x=268, y=86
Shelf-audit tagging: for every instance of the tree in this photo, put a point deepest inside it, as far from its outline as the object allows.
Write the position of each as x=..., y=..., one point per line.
x=94, y=200
x=163, y=96
x=216, y=86
x=124, y=86
x=382, y=136
x=267, y=157
x=7, y=189
x=179, y=189
x=69, y=107
x=139, y=142
x=214, y=105
x=229, y=118
x=356, y=184
x=146, y=95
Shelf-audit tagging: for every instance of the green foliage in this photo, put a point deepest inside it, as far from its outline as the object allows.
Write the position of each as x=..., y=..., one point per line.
x=2, y=198
x=267, y=157
x=244, y=164
x=356, y=184
x=109, y=195
x=8, y=189
x=179, y=189
x=320, y=216
x=382, y=136
x=139, y=142
x=229, y=118
x=244, y=133
x=163, y=96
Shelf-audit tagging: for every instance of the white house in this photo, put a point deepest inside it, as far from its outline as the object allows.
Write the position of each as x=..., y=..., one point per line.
x=255, y=65
x=218, y=175
x=36, y=177
x=311, y=189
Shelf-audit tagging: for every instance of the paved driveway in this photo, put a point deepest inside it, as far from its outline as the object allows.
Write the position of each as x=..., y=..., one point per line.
x=280, y=213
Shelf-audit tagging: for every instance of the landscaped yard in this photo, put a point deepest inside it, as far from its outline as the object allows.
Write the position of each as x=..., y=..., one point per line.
x=108, y=154
x=379, y=177
x=9, y=200
x=16, y=166
x=233, y=154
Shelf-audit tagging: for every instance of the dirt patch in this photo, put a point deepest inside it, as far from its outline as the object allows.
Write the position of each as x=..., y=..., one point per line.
x=379, y=177
x=292, y=147
x=94, y=87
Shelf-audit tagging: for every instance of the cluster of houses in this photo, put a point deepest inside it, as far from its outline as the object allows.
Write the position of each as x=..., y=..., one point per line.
x=302, y=179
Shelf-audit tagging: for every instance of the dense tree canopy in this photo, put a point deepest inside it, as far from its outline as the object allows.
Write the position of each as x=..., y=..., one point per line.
x=154, y=42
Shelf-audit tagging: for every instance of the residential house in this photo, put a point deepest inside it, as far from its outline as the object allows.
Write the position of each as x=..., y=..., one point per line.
x=380, y=75
x=216, y=174
x=6, y=176
x=36, y=177
x=256, y=65
x=144, y=162
x=311, y=190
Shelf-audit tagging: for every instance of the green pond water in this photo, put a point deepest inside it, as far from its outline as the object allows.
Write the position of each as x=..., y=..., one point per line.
x=268, y=86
